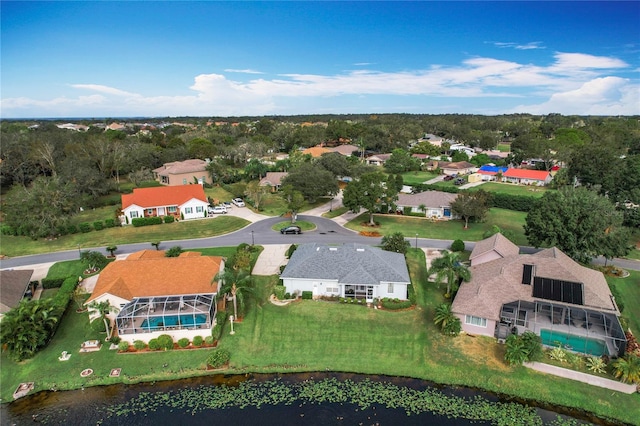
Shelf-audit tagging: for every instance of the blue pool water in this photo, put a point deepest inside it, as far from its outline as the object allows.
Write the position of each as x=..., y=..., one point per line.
x=575, y=343
x=173, y=321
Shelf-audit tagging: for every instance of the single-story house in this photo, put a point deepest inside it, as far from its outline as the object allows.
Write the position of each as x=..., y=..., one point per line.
x=14, y=286
x=183, y=173
x=182, y=202
x=547, y=293
x=273, y=180
x=527, y=177
x=316, y=151
x=345, y=149
x=377, y=159
x=351, y=270
x=432, y=139
x=490, y=173
x=152, y=294
x=457, y=167
x=437, y=204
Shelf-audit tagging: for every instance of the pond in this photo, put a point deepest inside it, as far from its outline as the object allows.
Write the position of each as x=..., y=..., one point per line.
x=304, y=399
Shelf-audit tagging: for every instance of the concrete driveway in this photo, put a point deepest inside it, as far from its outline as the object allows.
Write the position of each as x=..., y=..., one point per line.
x=270, y=260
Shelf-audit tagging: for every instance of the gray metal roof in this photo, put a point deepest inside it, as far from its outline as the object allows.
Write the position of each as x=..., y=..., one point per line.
x=348, y=264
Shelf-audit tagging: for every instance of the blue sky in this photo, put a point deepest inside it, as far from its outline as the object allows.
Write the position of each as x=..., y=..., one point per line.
x=117, y=59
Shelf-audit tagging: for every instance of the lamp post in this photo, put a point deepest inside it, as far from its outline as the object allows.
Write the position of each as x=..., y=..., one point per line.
x=231, y=319
x=252, y=240
x=331, y=205
x=416, y=241
x=79, y=252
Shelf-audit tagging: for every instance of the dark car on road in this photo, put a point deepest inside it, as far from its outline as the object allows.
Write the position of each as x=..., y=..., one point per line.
x=293, y=229
x=447, y=178
x=459, y=181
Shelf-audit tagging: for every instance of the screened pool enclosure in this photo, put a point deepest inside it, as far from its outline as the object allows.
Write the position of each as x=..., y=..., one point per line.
x=151, y=314
x=572, y=327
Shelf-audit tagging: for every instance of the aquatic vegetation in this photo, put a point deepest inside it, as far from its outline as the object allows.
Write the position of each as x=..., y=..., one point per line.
x=365, y=394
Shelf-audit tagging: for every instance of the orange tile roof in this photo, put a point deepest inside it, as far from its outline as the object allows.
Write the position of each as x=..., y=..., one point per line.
x=526, y=174
x=316, y=151
x=147, y=276
x=163, y=196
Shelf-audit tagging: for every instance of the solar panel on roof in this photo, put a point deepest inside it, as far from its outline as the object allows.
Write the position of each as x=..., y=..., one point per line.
x=561, y=291
x=527, y=274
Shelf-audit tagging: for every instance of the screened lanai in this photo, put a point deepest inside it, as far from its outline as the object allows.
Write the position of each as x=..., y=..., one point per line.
x=576, y=328
x=151, y=314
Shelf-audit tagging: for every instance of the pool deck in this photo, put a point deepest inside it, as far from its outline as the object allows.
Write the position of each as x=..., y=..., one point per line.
x=582, y=377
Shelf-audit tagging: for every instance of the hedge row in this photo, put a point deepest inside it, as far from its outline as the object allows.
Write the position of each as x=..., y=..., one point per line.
x=52, y=282
x=521, y=203
x=61, y=300
x=68, y=229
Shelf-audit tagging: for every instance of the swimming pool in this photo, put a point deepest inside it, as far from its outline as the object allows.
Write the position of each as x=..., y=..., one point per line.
x=155, y=323
x=575, y=343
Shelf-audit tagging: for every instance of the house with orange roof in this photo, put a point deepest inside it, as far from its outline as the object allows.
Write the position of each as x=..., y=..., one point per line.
x=527, y=177
x=182, y=202
x=151, y=294
x=316, y=151
x=183, y=173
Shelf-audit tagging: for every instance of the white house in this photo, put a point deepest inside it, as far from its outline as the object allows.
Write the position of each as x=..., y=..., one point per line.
x=182, y=202
x=350, y=270
x=433, y=204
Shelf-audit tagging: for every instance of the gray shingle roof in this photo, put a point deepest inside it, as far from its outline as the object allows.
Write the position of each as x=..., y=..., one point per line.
x=498, y=243
x=428, y=198
x=180, y=167
x=12, y=287
x=348, y=264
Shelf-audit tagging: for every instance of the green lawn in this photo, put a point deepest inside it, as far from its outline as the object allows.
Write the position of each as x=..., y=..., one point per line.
x=504, y=147
x=507, y=188
x=315, y=336
x=445, y=230
x=304, y=225
x=417, y=177
x=628, y=290
x=222, y=224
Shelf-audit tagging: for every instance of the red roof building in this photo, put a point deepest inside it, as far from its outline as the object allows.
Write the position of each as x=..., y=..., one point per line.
x=184, y=202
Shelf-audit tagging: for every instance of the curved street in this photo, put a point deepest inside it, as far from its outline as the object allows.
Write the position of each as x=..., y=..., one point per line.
x=328, y=231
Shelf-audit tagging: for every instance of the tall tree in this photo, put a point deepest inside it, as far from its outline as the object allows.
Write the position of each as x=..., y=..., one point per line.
x=295, y=200
x=237, y=284
x=395, y=243
x=312, y=181
x=471, y=205
x=103, y=309
x=401, y=161
x=578, y=221
x=256, y=193
x=370, y=191
x=449, y=267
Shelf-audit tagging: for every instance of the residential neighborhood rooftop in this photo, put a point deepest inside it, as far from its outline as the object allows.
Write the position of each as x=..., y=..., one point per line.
x=163, y=196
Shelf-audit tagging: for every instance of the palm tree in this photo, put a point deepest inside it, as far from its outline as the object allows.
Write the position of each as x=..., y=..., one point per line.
x=422, y=208
x=627, y=368
x=103, y=308
x=449, y=266
x=516, y=352
x=445, y=318
x=237, y=284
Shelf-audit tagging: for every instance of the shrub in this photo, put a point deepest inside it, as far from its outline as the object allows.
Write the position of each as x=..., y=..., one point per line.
x=169, y=219
x=72, y=229
x=533, y=345
x=596, y=365
x=98, y=225
x=197, y=341
x=209, y=340
x=395, y=304
x=173, y=251
x=287, y=296
x=279, y=291
x=7, y=230
x=558, y=354
x=52, y=282
x=146, y=221
x=123, y=346
x=139, y=345
x=218, y=358
x=165, y=342
x=183, y=343
x=307, y=295
x=290, y=250
x=115, y=340
x=154, y=345
x=457, y=245
x=84, y=227
x=110, y=223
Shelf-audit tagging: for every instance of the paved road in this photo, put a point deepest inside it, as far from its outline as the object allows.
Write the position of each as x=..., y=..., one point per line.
x=327, y=231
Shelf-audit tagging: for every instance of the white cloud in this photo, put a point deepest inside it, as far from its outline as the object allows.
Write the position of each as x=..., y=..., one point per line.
x=528, y=46
x=574, y=83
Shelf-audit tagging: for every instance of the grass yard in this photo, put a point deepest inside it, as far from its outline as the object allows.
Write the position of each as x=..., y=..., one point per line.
x=222, y=224
x=507, y=188
x=628, y=290
x=417, y=177
x=317, y=335
x=446, y=229
x=504, y=147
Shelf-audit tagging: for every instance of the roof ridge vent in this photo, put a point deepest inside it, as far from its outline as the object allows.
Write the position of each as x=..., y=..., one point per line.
x=333, y=248
x=359, y=249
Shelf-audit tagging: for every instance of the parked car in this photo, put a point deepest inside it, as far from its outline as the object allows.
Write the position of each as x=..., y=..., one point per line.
x=448, y=177
x=292, y=229
x=227, y=204
x=459, y=181
x=217, y=210
x=238, y=202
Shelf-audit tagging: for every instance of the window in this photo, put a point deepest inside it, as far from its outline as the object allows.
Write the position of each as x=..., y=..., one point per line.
x=333, y=290
x=477, y=321
x=149, y=211
x=172, y=209
x=134, y=214
x=184, y=181
x=390, y=288
x=199, y=209
x=188, y=210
